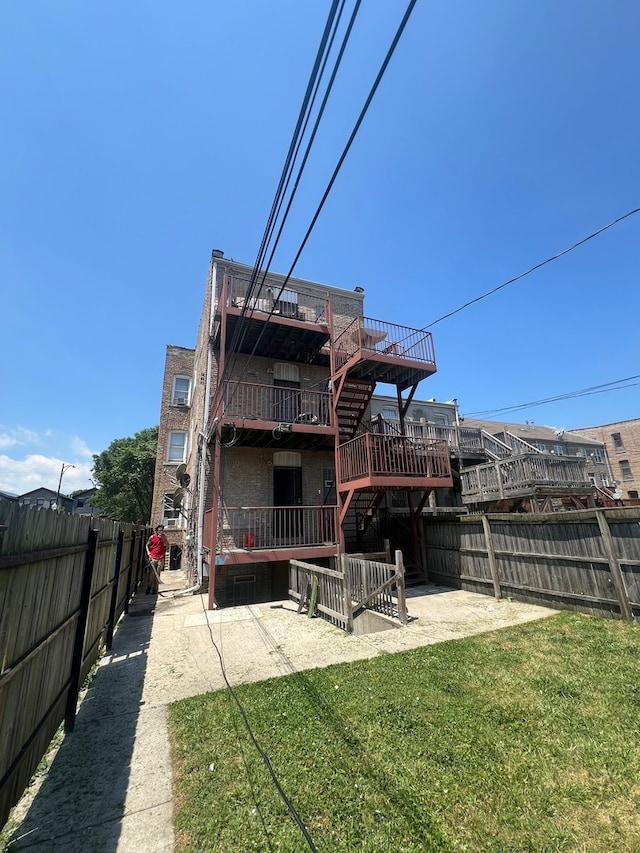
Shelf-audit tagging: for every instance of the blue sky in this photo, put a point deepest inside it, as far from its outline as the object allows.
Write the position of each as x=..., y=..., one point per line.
x=139, y=136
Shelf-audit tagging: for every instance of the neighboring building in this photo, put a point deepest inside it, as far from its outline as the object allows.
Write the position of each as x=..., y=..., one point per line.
x=46, y=499
x=622, y=441
x=82, y=503
x=264, y=453
x=175, y=445
x=8, y=496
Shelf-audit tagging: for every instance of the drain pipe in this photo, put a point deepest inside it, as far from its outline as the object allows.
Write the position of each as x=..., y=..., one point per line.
x=203, y=437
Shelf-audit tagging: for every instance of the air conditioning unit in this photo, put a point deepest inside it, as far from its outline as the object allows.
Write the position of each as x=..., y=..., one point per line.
x=171, y=522
x=181, y=401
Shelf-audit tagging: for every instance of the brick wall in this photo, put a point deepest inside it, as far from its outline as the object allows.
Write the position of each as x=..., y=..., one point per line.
x=626, y=450
x=178, y=362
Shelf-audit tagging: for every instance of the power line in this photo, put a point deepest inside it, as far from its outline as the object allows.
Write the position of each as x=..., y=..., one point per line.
x=533, y=268
x=336, y=171
x=616, y=385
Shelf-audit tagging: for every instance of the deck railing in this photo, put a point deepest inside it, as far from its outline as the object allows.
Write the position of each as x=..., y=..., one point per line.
x=374, y=455
x=517, y=474
x=268, y=527
x=459, y=439
x=271, y=298
x=381, y=338
x=266, y=402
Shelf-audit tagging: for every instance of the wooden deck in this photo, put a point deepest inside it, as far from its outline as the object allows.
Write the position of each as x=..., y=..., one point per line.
x=522, y=475
x=373, y=461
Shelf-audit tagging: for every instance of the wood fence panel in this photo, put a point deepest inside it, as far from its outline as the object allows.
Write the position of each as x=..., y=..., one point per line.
x=569, y=560
x=42, y=566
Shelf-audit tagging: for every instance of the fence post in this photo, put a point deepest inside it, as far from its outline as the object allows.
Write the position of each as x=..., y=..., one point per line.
x=81, y=627
x=492, y=556
x=614, y=566
x=132, y=551
x=387, y=550
x=113, y=606
x=346, y=593
x=402, y=602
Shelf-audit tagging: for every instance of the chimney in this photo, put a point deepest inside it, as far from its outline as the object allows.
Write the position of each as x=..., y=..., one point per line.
x=217, y=253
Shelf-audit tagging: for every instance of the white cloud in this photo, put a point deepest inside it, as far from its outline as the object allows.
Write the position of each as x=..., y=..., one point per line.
x=32, y=472
x=7, y=440
x=80, y=448
x=13, y=436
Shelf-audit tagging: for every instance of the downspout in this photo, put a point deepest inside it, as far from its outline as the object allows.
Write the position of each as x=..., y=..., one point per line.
x=202, y=438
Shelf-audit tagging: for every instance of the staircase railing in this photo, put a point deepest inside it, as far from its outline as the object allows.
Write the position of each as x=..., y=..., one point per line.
x=378, y=337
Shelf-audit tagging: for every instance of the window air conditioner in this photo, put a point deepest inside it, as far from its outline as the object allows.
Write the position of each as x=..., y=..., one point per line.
x=181, y=401
x=171, y=522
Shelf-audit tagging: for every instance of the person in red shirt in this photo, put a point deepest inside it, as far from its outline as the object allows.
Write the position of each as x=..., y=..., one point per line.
x=156, y=550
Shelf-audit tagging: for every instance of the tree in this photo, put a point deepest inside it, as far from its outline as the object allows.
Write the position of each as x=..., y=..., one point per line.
x=124, y=475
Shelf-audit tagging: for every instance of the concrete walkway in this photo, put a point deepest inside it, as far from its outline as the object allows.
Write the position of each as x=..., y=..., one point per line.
x=109, y=785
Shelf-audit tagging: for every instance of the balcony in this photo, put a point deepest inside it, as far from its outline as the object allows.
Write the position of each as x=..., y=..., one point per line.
x=277, y=323
x=265, y=534
x=461, y=441
x=374, y=461
x=264, y=408
x=523, y=475
x=385, y=352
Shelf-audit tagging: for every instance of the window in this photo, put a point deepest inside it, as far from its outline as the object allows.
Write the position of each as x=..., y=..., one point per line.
x=581, y=452
x=592, y=478
x=604, y=479
x=633, y=494
x=441, y=420
x=597, y=455
x=390, y=414
x=558, y=449
x=26, y=501
x=80, y=503
x=181, y=388
x=618, y=443
x=170, y=515
x=625, y=469
x=177, y=447
x=540, y=446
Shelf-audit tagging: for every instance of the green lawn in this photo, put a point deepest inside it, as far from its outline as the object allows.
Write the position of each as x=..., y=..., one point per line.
x=524, y=739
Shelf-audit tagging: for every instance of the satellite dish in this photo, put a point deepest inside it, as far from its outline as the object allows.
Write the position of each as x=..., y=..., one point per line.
x=180, y=470
x=617, y=495
x=184, y=480
x=178, y=497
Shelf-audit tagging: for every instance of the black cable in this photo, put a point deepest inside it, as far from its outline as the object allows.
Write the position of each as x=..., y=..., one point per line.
x=260, y=750
x=343, y=156
x=289, y=161
x=585, y=392
x=532, y=269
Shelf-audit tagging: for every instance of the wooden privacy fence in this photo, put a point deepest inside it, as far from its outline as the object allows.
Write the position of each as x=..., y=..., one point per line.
x=587, y=560
x=65, y=580
x=339, y=596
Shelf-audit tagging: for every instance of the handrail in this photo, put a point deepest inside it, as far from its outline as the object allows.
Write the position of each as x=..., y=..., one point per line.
x=382, y=338
x=380, y=455
x=258, y=527
x=272, y=299
x=518, y=473
x=270, y=403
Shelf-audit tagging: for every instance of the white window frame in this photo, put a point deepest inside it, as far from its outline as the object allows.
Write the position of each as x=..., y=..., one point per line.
x=183, y=457
x=171, y=517
x=178, y=396
x=598, y=455
x=558, y=449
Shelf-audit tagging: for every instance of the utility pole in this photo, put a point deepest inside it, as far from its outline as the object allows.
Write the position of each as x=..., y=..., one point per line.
x=64, y=468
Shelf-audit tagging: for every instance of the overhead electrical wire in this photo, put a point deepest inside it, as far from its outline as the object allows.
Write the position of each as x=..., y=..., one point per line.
x=616, y=385
x=533, y=268
x=312, y=137
x=319, y=66
x=342, y=158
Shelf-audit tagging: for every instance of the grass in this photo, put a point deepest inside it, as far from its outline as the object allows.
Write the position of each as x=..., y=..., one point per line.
x=524, y=739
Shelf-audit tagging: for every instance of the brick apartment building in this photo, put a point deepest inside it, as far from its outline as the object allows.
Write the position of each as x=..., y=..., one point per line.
x=263, y=452
x=622, y=441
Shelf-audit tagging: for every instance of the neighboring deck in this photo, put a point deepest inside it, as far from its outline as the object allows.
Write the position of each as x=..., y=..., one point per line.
x=524, y=475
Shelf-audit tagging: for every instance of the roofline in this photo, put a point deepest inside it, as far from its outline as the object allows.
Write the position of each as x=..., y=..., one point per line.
x=341, y=291
x=613, y=423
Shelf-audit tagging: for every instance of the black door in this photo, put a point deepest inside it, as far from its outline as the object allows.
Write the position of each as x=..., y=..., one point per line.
x=287, y=492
